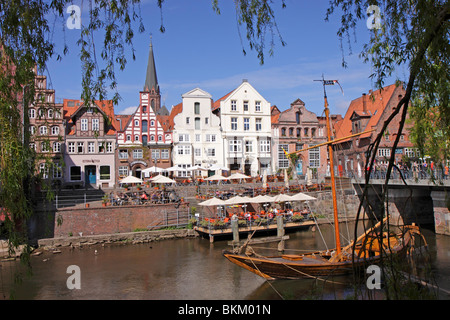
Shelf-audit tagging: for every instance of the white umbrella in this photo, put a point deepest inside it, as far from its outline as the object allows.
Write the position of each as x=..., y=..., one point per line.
x=212, y=202
x=216, y=177
x=301, y=197
x=131, y=179
x=153, y=169
x=237, y=200
x=218, y=167
x=282, y=198
x=309, y=177
x=162, y=179
x=261, y=199
x=175, y=168
x=238, y=176
x=197, y=168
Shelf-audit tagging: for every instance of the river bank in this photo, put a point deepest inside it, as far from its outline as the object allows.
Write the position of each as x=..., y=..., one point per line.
x=52, y=244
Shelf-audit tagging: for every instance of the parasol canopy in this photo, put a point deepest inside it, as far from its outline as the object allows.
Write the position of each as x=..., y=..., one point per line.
x=131, y=179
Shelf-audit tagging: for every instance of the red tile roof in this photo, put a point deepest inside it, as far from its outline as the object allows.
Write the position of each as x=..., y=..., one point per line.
x=216, y=104
x=371, y=105
x=175, y=110
x=71, y=107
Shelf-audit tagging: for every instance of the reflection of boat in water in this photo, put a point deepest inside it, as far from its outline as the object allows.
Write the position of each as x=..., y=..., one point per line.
x=369, y=248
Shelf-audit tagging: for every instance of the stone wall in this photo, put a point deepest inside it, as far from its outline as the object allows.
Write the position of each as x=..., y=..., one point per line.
x=77, y=221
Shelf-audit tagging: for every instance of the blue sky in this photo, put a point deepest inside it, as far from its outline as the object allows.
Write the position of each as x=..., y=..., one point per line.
x=202, y=49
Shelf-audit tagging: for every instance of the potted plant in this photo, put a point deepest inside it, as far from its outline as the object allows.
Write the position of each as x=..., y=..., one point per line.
x=105, y=200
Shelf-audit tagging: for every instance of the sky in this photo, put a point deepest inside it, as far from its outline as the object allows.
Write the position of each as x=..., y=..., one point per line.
x=200, y=48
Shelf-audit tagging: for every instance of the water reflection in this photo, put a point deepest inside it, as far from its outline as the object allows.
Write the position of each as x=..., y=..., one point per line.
x=184, y=269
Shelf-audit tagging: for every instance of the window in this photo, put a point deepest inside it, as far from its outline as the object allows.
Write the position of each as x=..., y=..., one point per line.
x=43, y=130
x=155, y=154
x=75, y=173
x=136, y=137
x=56, y=147
x=80, y=147
x=187, y=120
x=211, y=152
x=233, y=105
x=32, y=113
x=197, y=107
x=248, y=146
x=264, y=146
x=152, y=123
x=57, y=171
x=245, y=105
x=137, y=153
x=144, y=140
x=136, y=123
x=283, y=132
x=152, y=137
x=95, y=124
x=206, y=120
x=246, y=124
x=32, y=130
x=71, y=147
x=55, y=130
x=257, y=106
x=291, y=132
x=306, y=132
x=258, y=126
x=198, y=137
x=41, y=113
x=298, y=132
x=123, y=154
x=91, y=147
x=123, y=171
x=297, y=117
x=233, y=123
x=144, y=126
x=283, y=161
x=313, y=132
x=164, y=153
x=50, y=113
x=44, y=146
x=198, y=152
x=197, y=123
x=183, y=137
x=32, y=146
x=184, y=150
x=83, y=124
x=105, y=172
x=43, y=169
x=128, y=137
x=314, y=157
x=210, y=138
x=384, y=152
x=144, y=109
x=235, y=146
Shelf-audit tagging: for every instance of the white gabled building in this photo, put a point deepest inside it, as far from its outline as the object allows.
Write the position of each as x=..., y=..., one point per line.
x=197, y=138
x=246, y=130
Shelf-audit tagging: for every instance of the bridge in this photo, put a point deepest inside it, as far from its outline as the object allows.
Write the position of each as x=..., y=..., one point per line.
x=423, y=202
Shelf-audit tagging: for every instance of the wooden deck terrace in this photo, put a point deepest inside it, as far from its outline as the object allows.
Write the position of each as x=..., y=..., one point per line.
x=228, y=232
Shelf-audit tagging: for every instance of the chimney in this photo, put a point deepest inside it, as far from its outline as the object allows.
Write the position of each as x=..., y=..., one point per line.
x=364, y=103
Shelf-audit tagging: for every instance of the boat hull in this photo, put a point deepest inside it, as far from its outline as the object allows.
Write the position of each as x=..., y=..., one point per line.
x=280, y=267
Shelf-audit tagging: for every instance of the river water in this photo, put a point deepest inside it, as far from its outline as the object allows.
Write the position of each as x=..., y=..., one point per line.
x=191, y=269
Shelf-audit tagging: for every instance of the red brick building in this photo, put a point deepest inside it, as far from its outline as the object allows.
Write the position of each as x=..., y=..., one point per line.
x=368, y=112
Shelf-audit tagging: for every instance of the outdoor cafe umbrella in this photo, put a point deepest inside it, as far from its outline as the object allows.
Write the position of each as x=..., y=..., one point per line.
x=282, y=198
x=301, y=197
x=216, y=177
x=131, y=179
x=237, y=200
x=212, y=202
x=265, y=180
x=262, y=199
x=238, y=176
x=153, y=169
x=162, y=179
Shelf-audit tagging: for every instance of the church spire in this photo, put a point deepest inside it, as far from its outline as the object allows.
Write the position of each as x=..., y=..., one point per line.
x=151, y=81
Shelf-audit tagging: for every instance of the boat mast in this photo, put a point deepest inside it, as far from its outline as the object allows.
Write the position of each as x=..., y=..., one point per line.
x=330, y=155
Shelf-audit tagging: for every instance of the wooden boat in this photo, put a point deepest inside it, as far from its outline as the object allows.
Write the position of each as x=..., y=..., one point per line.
x=368, y=249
